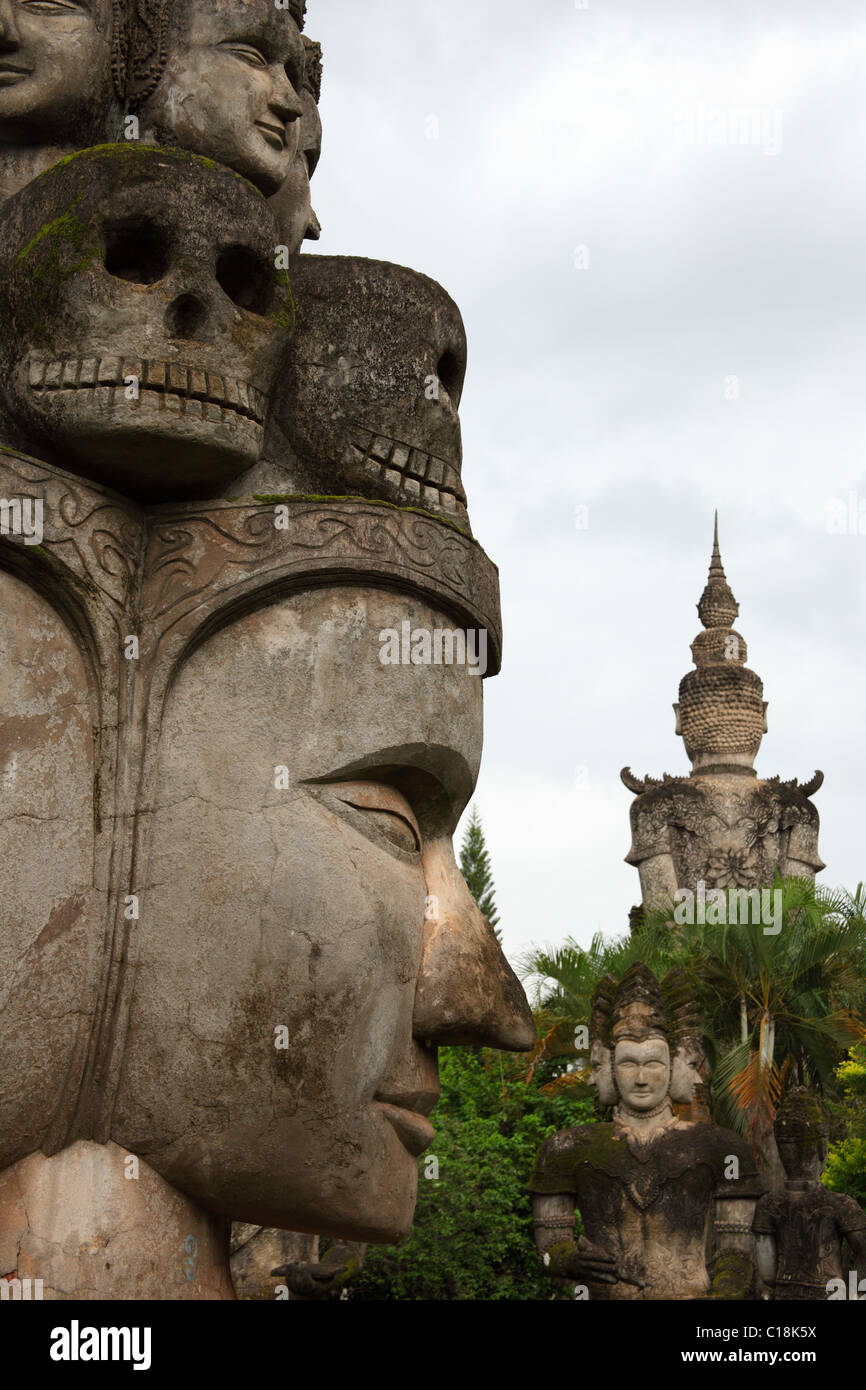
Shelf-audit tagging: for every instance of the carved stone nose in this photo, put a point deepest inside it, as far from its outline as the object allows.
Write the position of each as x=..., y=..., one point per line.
x=186, y=316
x=9, y=37
x=467, y=993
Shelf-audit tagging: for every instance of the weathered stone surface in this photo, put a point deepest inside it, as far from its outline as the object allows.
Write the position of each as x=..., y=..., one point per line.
x=57, y=89
x=231, y=87
x=292, y=202
x=51, y=898
x=401, y=742
x=666, y=1212
x=234, y=933
x=800, y=1231
x=143, y=320
x=369, y=402
x=94, y=1219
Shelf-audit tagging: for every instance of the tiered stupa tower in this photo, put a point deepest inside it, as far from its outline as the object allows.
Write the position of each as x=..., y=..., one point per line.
x=721, y=825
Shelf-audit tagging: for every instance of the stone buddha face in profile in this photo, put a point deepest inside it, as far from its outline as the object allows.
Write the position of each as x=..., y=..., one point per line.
x=55, y=71
x=231, y=88
x=292, y=203
x=330, y=907
x=304, y=942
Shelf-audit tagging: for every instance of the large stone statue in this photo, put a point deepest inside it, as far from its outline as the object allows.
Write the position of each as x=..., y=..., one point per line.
x=722, y=825
x=234, y=932
x=666, y=1204
x=800, y=1231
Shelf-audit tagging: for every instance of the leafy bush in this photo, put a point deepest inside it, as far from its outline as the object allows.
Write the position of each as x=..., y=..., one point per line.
x=473, y=1236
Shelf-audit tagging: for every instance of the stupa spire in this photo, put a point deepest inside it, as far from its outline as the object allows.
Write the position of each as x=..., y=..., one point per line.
x=717, y=607
x=721, y=710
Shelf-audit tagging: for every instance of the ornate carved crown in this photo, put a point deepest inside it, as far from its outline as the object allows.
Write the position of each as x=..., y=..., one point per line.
x=641, y=1006
x=313, y=68
x=801, y=1118
x=139, y=46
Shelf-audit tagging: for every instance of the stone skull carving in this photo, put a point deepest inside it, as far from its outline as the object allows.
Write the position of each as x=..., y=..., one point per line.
x=372, y=388
x=143, y=320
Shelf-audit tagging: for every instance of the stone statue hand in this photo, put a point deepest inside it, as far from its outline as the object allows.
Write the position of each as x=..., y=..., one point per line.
x=319, y=1281
x=583, y=1261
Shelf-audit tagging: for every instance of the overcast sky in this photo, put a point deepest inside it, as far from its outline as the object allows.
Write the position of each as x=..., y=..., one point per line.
x=709, y=355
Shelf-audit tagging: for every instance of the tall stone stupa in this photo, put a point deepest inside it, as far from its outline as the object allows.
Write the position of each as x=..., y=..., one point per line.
x=722, y=824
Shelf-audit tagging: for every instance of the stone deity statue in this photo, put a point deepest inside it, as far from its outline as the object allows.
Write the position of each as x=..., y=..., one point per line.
x=721, y=825
x=800, y=1231
x=666, y=1204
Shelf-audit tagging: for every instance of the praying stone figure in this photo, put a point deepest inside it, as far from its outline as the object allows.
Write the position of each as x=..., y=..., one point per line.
x=234, y=933
x=800, y=1231
x=722, y=827
x=666, y=1204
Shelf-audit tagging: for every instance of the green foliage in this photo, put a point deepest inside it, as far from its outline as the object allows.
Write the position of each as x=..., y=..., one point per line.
x=473, y=1236
x=777, y=1006
x=475, y=868
x=846, y=1167
x=798, y=992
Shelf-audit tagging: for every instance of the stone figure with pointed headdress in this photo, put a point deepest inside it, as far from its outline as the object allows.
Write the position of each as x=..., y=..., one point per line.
x=666, y=1203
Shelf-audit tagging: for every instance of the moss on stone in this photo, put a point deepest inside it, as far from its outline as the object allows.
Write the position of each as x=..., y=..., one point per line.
x=129, y=150
x=732, y=1276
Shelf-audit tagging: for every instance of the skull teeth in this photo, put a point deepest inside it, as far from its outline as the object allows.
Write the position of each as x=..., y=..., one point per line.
x=406, y=474
x=169, y=379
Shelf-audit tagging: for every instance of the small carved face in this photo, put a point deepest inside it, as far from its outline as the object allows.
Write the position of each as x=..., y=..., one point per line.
x=231, y=87
x=55, y=70
x=292, y=203
x=643, y=1072
x=803, y=1160
x=688, y=1070
x=144, y=319
x=600, y=1073
x=368, y=405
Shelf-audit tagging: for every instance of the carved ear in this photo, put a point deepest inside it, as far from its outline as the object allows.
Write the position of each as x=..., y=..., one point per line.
x=679, y=727
x=766, y=707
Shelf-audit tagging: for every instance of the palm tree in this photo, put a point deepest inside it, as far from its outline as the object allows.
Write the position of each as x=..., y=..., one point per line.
x=776, y=1006
x=561, y=981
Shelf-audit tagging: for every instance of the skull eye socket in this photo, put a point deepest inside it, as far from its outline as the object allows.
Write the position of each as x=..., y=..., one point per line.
x=247, y=278
x=136, y=250
x=451, y=372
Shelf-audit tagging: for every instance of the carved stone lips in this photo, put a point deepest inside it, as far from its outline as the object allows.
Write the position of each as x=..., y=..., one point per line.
x=186, y=390
x=408, y=1116
x=405, y=474
x=277, y=133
